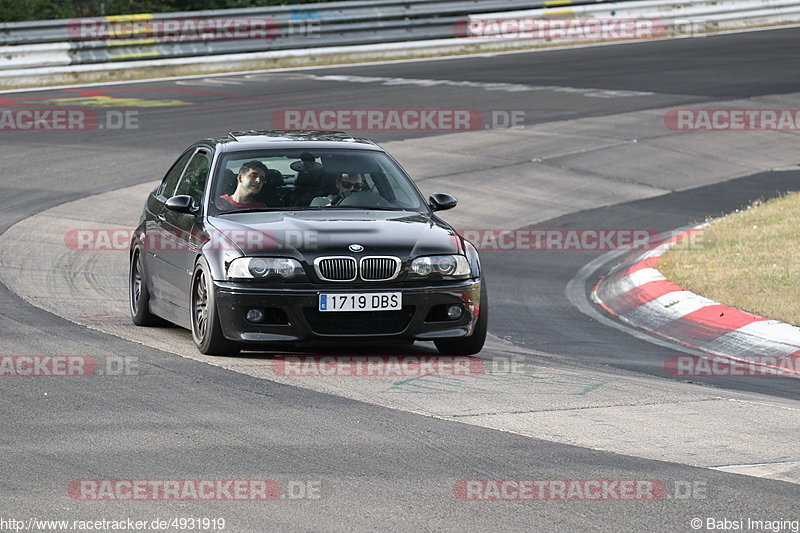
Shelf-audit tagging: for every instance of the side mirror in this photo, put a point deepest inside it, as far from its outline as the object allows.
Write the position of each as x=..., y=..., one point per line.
x=441, y=201
x=182, y=203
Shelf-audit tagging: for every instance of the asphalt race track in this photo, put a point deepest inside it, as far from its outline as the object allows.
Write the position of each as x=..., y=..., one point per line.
x=592, y=152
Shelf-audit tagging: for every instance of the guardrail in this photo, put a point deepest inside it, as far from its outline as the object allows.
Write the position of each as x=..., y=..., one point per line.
x=330, y=15
x=59, y=42
x=354, y=25
x=694, y=16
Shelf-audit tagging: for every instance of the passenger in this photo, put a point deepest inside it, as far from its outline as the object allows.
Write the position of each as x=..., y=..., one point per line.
x=345, y=185
x=249, y=183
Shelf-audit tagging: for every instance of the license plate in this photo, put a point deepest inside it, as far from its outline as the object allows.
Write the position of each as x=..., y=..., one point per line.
x=372, y=301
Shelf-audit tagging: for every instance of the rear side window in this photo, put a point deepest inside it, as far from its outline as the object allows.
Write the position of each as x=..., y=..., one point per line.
x=169, y=182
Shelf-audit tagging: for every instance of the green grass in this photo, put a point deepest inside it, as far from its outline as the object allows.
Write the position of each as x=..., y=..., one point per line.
x=749, y=259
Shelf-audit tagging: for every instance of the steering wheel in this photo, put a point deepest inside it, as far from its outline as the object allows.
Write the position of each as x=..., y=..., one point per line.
x=364, y=199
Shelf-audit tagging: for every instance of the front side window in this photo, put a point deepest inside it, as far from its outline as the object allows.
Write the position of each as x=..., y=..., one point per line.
x=167, y=189
x=193, y=181
x=312, y=179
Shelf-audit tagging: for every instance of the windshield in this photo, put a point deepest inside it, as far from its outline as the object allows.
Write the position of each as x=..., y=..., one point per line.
x=311, y=179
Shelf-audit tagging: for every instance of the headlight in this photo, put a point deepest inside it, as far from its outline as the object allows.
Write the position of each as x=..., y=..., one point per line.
x=444, y=266
x=264, y=267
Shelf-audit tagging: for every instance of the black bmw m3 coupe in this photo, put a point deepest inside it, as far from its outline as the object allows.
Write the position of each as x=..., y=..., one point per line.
x=266, y=237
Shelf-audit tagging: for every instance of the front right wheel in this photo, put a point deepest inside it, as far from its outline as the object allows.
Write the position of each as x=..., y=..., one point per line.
x=206, y=329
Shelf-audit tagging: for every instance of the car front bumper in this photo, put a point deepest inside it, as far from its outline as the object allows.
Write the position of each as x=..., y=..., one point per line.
x=292, y=313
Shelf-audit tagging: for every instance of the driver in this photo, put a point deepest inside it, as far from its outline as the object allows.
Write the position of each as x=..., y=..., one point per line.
x=345, y=184
x=249, y=183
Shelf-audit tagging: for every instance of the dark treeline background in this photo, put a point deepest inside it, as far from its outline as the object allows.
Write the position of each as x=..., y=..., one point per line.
x=19, y=10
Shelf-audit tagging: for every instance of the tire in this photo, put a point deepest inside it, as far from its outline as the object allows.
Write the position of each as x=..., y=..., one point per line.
x=206, y=329
x=474, y=343
x=139, y=293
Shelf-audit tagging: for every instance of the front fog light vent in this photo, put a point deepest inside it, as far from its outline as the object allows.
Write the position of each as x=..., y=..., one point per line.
x=255, y=316
x=454, y=312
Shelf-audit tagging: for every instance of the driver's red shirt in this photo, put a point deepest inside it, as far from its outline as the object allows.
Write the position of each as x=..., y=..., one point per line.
x=226, y=202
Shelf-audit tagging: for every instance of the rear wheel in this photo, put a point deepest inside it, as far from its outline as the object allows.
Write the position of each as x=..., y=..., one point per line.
x=206, y=329
x=139, y=294
x=474, y=343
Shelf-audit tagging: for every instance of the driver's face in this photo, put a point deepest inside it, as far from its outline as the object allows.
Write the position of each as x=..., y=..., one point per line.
x=252, y=179
x=350, y=182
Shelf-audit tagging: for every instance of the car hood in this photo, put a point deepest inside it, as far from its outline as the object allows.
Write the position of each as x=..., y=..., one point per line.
x=326, y=232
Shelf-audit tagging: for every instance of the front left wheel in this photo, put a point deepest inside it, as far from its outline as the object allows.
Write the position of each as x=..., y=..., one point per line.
x=206, y=329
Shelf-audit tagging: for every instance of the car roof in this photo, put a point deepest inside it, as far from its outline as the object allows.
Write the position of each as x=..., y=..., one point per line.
x=289, y=139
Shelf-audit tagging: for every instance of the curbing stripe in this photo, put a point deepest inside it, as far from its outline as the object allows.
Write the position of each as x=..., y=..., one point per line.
x=722, y=317
x=772, y=329
x=674, y=305
x=742, y=344
x=650, y=262
x=645, y=275
x=642, y=294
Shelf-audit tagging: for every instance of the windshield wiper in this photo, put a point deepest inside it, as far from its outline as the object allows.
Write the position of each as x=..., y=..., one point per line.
x=253, y=210
x=366, y=208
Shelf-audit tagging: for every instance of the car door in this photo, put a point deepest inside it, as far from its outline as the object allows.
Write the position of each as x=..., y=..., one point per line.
x=180, y=231
x=153, y=244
